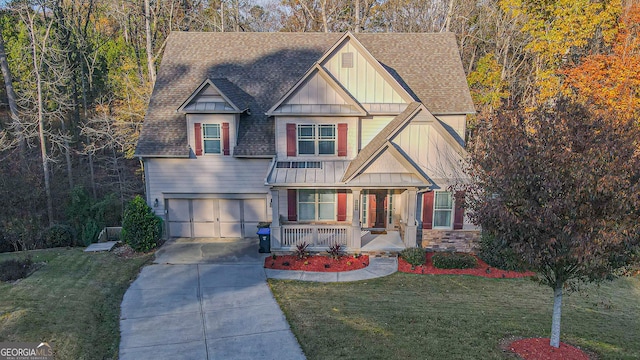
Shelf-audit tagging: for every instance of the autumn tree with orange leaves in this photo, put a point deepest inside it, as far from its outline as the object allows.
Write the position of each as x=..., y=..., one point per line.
x=611, y=82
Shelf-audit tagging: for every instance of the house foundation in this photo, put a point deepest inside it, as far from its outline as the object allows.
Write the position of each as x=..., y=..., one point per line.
x=451, y=240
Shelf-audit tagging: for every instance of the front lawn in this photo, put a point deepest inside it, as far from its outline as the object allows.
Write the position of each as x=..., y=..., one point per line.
x=72, y=302
x=406, y=316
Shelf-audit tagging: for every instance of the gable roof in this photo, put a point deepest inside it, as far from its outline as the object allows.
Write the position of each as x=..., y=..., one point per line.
x=354, y=106
x=382, y=141
x=259, y=68
x=377, y=144
x=209, y=88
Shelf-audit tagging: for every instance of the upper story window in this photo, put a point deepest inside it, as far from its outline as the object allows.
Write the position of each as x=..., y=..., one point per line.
x=211, y=138
x=317, y=139
x=443, y=209
x=316, y=205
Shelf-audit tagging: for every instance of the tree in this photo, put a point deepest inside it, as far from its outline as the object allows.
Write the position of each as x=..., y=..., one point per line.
x=612, y=81
x=559, y=187
x=141, y=228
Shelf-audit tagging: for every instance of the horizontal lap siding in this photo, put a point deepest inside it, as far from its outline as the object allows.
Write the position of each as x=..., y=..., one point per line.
x=215, y=174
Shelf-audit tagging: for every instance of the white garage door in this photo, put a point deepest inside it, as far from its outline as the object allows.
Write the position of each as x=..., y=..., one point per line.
x=229, y=218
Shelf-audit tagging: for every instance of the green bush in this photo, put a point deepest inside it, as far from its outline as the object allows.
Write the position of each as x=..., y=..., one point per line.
x=497, y=253
x=141, y=228
x=88, y=216
x=58, y=235
x=448, y=260
x=14, y=269
x=414, y=256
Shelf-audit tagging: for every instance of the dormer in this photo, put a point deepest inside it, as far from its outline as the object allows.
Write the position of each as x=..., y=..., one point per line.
x=212, y=120
x=208, y=99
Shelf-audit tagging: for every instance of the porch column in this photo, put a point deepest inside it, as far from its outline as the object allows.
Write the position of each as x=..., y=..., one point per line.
x=275, y=219
x=356, y=239
x=411, y=226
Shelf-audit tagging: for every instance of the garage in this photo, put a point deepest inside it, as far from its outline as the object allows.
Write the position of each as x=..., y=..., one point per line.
x=226, y=218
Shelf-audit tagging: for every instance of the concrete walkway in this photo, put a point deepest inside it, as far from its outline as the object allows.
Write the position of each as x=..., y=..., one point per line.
x=378, y=267
x=205, y=300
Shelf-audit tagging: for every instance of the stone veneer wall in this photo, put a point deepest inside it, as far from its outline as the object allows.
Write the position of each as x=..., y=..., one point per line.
x=450, y=240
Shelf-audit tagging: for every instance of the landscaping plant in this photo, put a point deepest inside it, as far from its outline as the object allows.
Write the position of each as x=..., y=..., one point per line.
x=301, y=250
x=560, y=187
x=141, y=228
x=451, y=260
x=335, y=251
x=414, y=256
x=14, y=269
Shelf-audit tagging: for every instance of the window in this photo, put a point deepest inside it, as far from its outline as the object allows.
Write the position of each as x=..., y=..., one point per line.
x=442, y=209
x=317, y=139
x=211, y=137
x=316, y=205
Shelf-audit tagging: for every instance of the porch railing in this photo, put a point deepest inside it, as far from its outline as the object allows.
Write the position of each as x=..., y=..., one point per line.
x=317, y=236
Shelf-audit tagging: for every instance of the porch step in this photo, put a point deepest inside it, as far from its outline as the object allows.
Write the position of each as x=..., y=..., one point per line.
x=364, y=233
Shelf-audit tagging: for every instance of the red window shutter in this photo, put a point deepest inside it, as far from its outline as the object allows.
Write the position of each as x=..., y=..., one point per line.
x=427, y=210
x=342, y=205
x=458, y=217
x=342, y=139
x=198, y=131
x=292, y=205
x=225, y=138
x=291, y=139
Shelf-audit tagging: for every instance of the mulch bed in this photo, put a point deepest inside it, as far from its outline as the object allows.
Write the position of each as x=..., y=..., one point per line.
x=317, y=263
x=482, y=269
x=539, y=349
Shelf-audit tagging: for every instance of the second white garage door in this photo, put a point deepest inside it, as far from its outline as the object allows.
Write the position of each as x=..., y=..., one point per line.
x=229, y=218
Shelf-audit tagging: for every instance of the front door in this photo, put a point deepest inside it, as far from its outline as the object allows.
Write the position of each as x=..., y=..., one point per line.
x=378, y=208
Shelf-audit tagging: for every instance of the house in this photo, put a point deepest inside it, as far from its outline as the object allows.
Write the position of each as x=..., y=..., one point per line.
x=327, y=136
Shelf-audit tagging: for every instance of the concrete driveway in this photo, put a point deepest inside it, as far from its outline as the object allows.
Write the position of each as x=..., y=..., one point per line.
x=205, y=299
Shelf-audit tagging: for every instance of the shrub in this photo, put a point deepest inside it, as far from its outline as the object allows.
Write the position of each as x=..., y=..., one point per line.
x=14, y=269
x=58, y=235
x=414, y=256
x=335, y=251
x=495, y=252
x=447, y=260
x=141, y=228
x=88, y=216
x=301, y=250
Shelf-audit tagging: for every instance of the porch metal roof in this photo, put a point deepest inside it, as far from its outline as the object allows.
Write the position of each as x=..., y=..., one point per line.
x=330, y=175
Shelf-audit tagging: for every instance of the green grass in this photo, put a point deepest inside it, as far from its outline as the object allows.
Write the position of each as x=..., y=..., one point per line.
x=72, y=302
x=406, y=316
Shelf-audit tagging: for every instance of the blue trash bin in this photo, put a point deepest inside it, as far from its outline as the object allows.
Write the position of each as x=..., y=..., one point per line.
x=265, y=240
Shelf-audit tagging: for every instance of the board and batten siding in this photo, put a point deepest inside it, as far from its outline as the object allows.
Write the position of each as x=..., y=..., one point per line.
x=362, y=80
x=316, y=91
x=281, y=137
x=456, y=122
x=204, y=175
x=370, y=127
x=430, y=151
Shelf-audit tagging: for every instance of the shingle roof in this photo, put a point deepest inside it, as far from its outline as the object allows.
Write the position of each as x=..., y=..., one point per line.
x=256, y=69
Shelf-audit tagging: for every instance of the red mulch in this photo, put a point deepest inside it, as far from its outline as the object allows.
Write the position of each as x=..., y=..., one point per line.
x=539, y=349
x=482, y=269
x=317, y=263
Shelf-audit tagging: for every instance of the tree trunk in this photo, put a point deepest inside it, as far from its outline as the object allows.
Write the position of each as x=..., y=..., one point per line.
x=40, y=104
x=147, y=29
x=447, y=23
x=357, y=20
x=557, y=313
x=325, y=22
x=11, y=98
x=67, y=154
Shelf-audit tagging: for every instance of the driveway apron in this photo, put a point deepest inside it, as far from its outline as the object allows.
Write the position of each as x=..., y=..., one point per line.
x=205, y=299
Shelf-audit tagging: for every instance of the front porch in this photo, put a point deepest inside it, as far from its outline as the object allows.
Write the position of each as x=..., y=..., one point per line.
x=321, y=237
x=366, y=220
